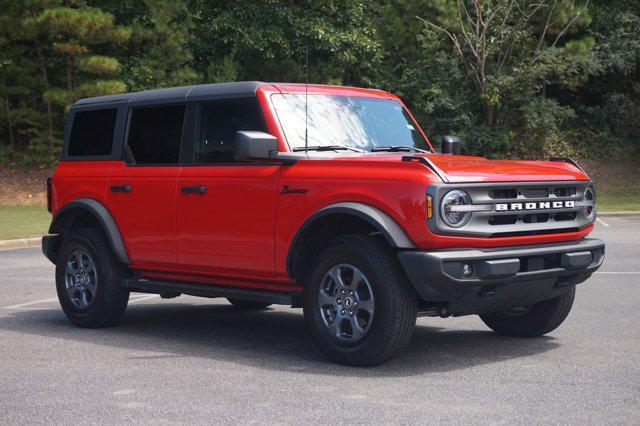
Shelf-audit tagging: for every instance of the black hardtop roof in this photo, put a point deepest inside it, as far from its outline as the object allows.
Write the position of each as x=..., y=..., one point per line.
x=200, y=92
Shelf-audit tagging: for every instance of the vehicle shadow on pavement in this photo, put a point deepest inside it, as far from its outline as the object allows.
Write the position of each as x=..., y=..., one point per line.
x=271, y=339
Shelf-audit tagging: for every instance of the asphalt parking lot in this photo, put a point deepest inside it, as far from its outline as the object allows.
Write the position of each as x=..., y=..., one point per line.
x=197, y=360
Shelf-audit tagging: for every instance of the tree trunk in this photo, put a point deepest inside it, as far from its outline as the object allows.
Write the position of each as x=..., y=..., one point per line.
x=45, y=77
x=50, y=119
x=69, y=64
x=12, y=139
x=490, y=112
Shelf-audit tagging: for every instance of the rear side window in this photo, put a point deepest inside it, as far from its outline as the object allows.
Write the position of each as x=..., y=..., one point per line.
x=218, y=127
x=155, y=134
x=92, y=132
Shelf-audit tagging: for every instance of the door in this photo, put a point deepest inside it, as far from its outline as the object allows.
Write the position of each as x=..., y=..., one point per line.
x=142, y=189
x=226, y=209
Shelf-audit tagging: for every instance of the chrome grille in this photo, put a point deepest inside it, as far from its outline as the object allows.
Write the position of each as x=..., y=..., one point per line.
x=511, y=209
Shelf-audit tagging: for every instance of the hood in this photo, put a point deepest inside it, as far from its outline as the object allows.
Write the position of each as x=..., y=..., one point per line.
x=463, y=169
x=466, y=169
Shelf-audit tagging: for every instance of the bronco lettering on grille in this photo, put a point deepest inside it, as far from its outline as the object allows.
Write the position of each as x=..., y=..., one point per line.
x=540, y=205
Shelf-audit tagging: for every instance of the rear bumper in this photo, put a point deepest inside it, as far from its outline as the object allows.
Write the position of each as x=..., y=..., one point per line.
x=500, y=278
x=50, y=247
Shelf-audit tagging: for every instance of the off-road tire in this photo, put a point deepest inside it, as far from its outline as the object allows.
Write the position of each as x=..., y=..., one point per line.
x=394, y=301
x=111, y=298
x=248, y=305
x=540, y=319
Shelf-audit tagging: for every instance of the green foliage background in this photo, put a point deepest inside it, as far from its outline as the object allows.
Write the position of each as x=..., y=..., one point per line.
x=563, y=81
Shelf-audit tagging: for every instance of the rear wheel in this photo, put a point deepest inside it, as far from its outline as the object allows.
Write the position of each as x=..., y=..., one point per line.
x=357, y=303
x=88, y=277
x=534, y=320
x=248, y=305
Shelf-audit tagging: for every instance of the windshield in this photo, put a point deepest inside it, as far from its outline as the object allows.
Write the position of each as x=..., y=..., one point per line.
x=360, y=123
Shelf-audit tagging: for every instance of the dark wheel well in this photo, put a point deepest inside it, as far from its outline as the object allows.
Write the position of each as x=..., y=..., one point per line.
x=70, y=220
x=317, y=235
x=74, y=218
x=85, y=212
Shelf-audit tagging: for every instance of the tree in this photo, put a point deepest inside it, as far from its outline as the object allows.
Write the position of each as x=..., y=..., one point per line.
x=240, y=40
x=161, y=37
x=73, y=32
x=514, y=78
x=493, y=40
x=21, y=86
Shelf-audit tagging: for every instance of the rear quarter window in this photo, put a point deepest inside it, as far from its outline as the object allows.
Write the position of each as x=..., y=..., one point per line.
x=92, y=132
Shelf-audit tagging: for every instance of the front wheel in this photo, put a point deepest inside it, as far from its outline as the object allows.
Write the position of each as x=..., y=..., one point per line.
x=357, y=302
x=534, y=320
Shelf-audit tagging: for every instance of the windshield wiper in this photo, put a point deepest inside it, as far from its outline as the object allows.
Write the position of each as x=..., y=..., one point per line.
x=396, y=148
x=326, y=148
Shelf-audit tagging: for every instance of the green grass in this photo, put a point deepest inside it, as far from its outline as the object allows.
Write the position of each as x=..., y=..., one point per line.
x=23, y=221
x=618, y=199
x=33, y=221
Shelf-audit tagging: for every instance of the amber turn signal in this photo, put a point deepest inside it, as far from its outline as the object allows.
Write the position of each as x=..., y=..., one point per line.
x=429, y=207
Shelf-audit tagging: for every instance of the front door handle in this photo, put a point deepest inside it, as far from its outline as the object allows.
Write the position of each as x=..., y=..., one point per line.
x=121, y=188
x=194, y=190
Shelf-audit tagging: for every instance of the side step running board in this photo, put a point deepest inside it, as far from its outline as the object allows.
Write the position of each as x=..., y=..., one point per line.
x=174, y=288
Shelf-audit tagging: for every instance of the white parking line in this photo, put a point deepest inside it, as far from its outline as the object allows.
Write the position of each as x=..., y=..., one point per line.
x=143, y=298
x=619, y=272
x=35, y=302
x=28, y=306
x=603, y=223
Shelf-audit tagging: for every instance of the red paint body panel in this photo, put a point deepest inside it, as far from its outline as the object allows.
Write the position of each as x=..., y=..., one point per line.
x=146, y=216
x=80, y=179
x=230, y=228
x=393, y=187
x=239, y=232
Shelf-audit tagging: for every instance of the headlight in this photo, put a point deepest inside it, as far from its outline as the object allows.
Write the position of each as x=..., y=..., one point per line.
x=590, y=202
x=450, y=210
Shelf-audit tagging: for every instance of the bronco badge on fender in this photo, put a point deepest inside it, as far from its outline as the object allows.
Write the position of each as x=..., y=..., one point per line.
x=287, y=190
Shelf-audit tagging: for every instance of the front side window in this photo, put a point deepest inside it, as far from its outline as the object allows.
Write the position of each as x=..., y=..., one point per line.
x=332, y=120
x=155, y=134
x=218, y=126
x=92, y=132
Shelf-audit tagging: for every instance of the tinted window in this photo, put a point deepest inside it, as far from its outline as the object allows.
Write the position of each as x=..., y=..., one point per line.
x=92, y=132
x=218, y=126
x=155, y=133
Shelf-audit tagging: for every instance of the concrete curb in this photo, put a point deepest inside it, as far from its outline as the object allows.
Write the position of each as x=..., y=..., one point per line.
x=618, y=214
x=36, y=241
x=20, y=243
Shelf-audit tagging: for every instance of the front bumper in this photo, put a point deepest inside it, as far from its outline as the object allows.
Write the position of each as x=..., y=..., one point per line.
x=501, y=278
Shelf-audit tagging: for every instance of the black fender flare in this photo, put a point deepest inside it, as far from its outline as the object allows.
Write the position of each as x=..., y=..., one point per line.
x=382, y=222
x=104, y=218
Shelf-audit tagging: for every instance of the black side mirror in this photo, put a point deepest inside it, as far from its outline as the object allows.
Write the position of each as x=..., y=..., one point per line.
x=451, y=145
x=251, y=145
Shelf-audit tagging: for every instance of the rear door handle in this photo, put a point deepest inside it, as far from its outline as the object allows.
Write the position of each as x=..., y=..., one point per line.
x=121, y=188
x=194, y=190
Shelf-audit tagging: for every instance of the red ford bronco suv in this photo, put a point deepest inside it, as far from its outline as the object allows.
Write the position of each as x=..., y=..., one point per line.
x=322, y=197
